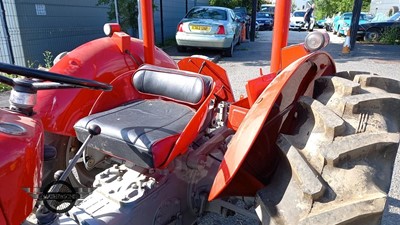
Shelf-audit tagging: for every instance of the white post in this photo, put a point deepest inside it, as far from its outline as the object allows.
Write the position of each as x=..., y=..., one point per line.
x=139, y=21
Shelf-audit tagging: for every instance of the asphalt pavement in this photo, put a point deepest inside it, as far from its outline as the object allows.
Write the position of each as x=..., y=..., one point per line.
x=251, y=57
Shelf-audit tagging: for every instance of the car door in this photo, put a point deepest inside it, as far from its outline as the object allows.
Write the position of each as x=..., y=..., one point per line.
x=236, y=25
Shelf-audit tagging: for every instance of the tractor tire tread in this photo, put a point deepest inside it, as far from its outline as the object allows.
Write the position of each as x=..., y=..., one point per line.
x=336, y=166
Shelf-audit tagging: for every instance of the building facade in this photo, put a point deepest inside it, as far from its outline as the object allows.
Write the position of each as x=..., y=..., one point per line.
x=385, y=7
x=28, y=28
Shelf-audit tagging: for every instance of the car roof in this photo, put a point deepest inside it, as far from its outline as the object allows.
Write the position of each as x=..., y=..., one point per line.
x=213, y=7
x=350, y=13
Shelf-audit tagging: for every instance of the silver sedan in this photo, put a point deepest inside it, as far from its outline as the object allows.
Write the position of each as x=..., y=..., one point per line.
x=209, y=27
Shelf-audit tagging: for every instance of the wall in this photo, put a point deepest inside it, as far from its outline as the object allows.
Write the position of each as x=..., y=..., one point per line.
x=51, y=25
x=383, y=6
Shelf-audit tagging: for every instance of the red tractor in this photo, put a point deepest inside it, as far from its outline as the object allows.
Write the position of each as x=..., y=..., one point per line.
x=118, y=133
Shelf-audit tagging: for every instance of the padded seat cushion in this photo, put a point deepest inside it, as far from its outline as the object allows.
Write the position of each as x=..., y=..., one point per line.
x=130, y=131
x=175, y=84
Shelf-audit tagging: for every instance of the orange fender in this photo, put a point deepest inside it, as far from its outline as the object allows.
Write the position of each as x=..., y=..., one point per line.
x=252, y=154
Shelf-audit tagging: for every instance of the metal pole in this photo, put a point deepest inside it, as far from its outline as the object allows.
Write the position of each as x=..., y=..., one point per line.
x=116, y=11
x=148, y=30
x=354, y=22
x=281, y=32
x=162, y=22
x=253, y=21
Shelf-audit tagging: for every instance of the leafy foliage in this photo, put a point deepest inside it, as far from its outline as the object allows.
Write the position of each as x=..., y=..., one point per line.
x=48, y=59
x=127, y=10
x=391, y=35
x=325, y=8
x=236, y=3
x=5, y=87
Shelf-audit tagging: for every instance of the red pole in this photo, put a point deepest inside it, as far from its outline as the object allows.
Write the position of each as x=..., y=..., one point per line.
x=148, y=30
x=281, y=32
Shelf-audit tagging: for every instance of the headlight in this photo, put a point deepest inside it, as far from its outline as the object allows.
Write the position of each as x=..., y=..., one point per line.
x=316, y=40
x=110, y=28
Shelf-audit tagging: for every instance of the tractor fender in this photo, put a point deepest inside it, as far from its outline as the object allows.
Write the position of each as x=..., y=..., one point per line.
x=251, y=156
x=100, y=60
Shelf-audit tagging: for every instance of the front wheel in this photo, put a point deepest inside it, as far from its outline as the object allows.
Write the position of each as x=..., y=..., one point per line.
x=338, y=32
x=372, y=35
x=336, y=164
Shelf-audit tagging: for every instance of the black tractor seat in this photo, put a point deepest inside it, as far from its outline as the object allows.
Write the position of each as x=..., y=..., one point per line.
x=145, y=130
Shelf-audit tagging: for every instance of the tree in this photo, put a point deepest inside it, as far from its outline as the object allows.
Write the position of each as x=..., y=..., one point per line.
x=325, y=8
x=127, y=10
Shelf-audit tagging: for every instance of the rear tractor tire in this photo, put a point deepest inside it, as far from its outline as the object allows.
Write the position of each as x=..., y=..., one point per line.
x=336, y=165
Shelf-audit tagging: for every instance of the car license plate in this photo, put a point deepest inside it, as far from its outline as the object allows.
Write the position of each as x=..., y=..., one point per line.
x=200, y=28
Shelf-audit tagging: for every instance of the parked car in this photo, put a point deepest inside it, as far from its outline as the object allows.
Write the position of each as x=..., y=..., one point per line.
x=328, y=24
x=241, y=12
x=268, y=8
x=297, y=21
x=373, y=31
x=209, y=27
x=341, y=25
x=264, y=20
x=320, y=23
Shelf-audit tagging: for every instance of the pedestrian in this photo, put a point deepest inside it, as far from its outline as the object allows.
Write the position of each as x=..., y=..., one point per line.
x=307, y=16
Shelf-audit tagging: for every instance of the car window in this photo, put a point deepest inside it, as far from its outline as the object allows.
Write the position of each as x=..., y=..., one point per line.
x=299, y=14
x=363, y=17
x=348, y=16
x=232, y=14
x=395, y=17
x=207, y=13
x=263, y=15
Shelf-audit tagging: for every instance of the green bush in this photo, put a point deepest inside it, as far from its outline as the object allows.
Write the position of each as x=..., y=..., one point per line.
x=5, y=87
x=391, y=35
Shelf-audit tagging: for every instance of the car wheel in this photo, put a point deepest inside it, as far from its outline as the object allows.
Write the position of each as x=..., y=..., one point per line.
x=228, y=52
x=372, y=35
x=334, y=31
x=338, y=32
x=239, y=41
x=181, y=48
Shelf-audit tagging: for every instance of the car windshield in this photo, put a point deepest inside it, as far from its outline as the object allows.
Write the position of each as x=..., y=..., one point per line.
x=269, y=9
x=207, y=13
x=299, y=14
x=348, y=16
x=263, y=15
x=395, y=17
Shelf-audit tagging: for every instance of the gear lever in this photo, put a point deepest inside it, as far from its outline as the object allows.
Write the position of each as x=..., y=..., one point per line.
x=43, y=215
x=93, y=131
